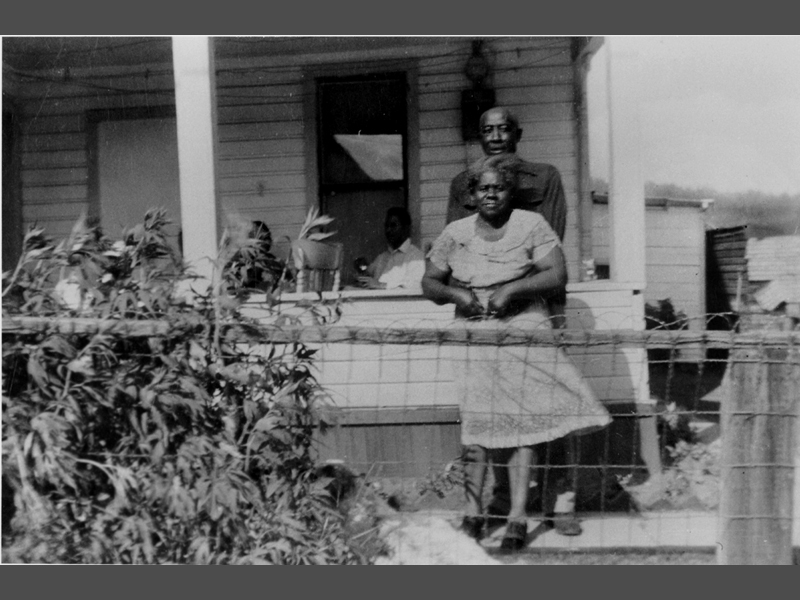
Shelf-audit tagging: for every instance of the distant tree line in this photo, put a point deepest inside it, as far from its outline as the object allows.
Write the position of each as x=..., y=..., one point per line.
x=764, y=214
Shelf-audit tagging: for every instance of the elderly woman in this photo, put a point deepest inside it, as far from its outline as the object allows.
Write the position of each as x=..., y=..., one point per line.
x=498, y=266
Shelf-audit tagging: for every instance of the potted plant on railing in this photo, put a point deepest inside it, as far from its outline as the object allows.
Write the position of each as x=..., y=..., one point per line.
x=312, y=257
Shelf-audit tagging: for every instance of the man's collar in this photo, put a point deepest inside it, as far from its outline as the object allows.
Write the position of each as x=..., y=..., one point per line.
x=404, y=247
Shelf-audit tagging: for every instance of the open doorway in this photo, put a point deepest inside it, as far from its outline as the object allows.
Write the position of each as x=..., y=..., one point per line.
x=12, y=204
x=362, y=146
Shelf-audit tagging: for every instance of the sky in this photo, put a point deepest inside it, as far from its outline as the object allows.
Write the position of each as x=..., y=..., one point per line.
x=716, y=111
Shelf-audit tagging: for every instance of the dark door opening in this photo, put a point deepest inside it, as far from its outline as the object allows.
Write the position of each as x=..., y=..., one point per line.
x=362, y=158
x=12, y=204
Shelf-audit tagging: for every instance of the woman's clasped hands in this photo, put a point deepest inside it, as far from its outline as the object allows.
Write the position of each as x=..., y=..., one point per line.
x=470, y=307
x=467, y=303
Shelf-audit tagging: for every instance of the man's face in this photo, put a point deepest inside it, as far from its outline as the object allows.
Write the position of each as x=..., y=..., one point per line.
x=498, y=134
x=396, y=234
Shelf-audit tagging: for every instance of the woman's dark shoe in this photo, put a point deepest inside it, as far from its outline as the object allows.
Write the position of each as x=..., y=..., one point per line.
x=473, y=527
x=515, y=536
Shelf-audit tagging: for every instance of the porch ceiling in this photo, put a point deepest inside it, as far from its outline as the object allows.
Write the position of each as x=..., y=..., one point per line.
x=38, y=53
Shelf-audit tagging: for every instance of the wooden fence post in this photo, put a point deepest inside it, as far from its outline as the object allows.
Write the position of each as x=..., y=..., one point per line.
x=759, y=430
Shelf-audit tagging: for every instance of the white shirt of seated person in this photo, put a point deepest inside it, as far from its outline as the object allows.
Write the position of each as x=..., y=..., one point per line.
x=402, y=267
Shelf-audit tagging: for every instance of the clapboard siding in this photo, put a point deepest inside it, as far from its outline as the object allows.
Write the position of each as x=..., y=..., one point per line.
x=259, y=113
x=116, y=85
x=53, y=142
x=262, y=132
x=541, y=76
x=54, y=195
x=517, y=99
x=64, y=212
x=53, y=160
x=266, y=148
x=261, y=165
x=54, y=124
x=537, y=114
x=275, y=181
x=666, y=256
x=55, y=176
x=262, y=135
x=48, y=106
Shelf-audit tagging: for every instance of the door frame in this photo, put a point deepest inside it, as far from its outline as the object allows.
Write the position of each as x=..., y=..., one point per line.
x=355, y=69
x=13, y=211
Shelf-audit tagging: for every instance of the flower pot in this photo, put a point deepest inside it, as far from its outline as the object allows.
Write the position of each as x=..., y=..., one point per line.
x=313, y=254
x=318, y=265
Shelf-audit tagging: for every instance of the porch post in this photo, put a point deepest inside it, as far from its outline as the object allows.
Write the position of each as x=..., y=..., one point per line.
x=626, y=188
x=196, y=111
x=626, y=208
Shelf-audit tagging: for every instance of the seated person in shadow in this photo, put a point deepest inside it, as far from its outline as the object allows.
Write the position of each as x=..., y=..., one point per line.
x=254, y=267
x=402, y=264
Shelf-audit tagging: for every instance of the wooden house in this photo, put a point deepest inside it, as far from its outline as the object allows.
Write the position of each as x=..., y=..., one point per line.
x=217, y=129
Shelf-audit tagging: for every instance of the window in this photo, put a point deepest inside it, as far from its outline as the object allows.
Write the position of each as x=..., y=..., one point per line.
x=362, y=157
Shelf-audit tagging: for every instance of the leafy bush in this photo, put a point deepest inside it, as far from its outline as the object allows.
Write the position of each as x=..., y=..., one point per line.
x=662, y=316
x=694, y=474
x=192, y=444
x=253, y=267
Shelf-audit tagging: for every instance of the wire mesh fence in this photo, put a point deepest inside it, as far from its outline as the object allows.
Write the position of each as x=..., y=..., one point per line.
x=699, y=453
x=652, y=478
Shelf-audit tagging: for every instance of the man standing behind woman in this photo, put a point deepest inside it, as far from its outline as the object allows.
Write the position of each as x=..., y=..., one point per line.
x=538, y=189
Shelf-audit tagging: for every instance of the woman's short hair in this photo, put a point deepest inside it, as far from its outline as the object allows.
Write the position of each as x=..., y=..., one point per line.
x=504, y=165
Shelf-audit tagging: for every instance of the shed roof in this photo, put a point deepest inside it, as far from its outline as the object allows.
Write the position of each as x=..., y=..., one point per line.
x=773, y=257
x=775, y=293
x=775, y=260
x=702, y=204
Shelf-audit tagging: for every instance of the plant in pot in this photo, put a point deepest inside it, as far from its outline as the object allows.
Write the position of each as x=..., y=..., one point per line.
x=316, y=262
